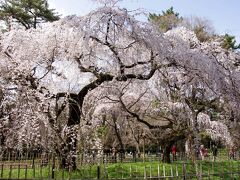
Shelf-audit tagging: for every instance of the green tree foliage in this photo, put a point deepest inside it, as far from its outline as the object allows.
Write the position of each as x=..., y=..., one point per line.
x=229, y=42
x=28, y=13
x=170, y=19
x=167, y=20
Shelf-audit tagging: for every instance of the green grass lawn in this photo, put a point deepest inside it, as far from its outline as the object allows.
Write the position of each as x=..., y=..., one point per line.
x=217, y=170
x=133, y=170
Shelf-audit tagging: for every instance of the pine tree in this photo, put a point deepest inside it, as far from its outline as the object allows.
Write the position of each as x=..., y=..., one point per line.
x=229, y=42
x=167, y=20
x=28, y=13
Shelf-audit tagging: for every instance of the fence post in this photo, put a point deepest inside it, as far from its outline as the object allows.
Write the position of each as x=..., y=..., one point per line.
x=238, y=173
x=49, y=157
x=213, y=171
x=238, y=169
x=177, y=171
x=53, y=166
x=98, y=172
x=62, y=173
x=18, y=170
x=164, y=171
x=33, y=160
x=10, y=172
x=2, y=170
x=209, y=176
x=121, y=171
x=150, y=171
x=70, y=171
x=136, y=172
x=41, y=171
x=201, y=171
x=33, y=165
x=145, y=173
x=184, y=171
x=130, y=171
x=26, y=171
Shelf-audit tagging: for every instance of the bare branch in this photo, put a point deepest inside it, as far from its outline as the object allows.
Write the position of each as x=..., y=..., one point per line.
x=135, y=115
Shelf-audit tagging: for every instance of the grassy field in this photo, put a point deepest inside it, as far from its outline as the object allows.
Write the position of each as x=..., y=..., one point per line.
x=134, y=170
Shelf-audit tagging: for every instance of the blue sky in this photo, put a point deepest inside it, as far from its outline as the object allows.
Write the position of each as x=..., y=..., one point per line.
x=223, y=14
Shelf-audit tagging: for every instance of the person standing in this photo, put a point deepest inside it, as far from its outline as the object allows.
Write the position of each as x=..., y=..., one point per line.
x=214, y=151
x=114, y=154
x=174, y=152
x=202, y=152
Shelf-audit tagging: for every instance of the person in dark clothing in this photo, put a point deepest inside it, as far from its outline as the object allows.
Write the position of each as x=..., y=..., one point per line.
x=214, y=151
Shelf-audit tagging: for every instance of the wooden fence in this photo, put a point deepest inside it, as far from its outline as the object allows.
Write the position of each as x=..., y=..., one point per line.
x=34, y=165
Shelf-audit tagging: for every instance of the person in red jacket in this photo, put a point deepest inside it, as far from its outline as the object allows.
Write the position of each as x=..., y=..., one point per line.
x=174, y=152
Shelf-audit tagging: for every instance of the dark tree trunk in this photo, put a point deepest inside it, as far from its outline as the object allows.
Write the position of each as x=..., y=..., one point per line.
x=2, y=139
x=75, y=112
x=116, y=129
x=69, y=154
x=118, y=137
x=166, y=152
x=196, y=136
x=35, y=22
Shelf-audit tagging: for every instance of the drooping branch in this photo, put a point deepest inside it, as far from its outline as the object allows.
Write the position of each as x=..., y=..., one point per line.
x=103, y=77
x=113, y=50
x=141, y=120
x=90, y=69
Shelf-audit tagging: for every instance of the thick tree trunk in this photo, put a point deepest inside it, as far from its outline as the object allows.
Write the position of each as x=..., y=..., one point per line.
x=70, y=146
x=166, y=152
x=69, y=152
x=119, y=138
x=138, y=150
x=196, y=136
x=75, y=113
x=121, y=151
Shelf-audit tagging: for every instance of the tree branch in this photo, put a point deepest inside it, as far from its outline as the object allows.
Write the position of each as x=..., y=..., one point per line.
x=135, y=115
